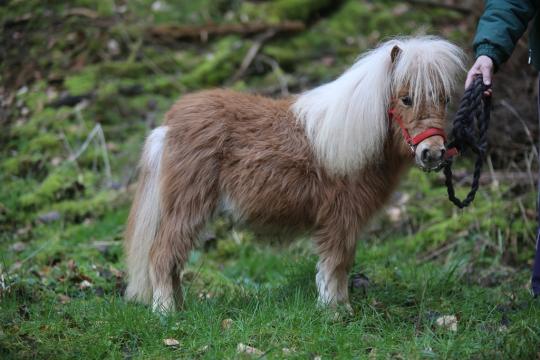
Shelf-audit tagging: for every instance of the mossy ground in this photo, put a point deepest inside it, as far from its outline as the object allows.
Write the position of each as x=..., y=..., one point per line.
x=61, y=218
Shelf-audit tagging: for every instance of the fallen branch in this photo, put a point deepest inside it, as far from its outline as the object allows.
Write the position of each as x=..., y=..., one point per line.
x=252, y=52
x=97, y=135
x=432, y=4
x=81, y=11
x=177, y=32
x=283, y=84
x=507, y=105
x=76, y=12
x=437, y=252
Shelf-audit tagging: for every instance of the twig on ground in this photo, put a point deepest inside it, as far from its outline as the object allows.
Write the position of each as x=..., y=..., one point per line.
x=438, y=252
x=176, y=32
x=526, y=219
x=134, y=47
x=37, y=251
x=278, y=72
x=532, y=142
x=494, y=180
x=105, y=154
x=68, y=147
x=97, y=135
x=83, y=147
x=432, y=4
x=81, y=11
x=529, y=161
x=514, y=112
x=252, y=52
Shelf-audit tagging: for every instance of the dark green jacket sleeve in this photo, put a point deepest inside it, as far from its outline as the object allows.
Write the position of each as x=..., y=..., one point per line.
x=500, y=27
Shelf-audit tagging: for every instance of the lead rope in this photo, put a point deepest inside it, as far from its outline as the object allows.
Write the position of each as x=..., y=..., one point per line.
x=469, y=132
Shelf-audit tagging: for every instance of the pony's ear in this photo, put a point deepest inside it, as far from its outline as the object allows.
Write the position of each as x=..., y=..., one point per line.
x=395, y=53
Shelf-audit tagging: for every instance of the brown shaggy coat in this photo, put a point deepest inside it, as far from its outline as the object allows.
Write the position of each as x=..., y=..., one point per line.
x=251, y=151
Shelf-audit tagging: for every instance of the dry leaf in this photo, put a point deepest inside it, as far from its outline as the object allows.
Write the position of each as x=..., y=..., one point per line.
x=55, y=161
x=448, y=322
x=171, y=342
x=71, y=265
x=205, y=295
x=226, y=324
x=394, y=213
x=64, y=299
x=287, y=351
x=85, y=284
x=24, y=231
x=250, y=350
x=117, y=273
x=18, y=246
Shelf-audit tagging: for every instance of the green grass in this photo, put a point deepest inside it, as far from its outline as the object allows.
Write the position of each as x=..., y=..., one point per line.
x=269, y=293
x=61, y=282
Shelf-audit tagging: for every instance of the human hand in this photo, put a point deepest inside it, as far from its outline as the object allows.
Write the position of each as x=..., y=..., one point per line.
x=483, y=66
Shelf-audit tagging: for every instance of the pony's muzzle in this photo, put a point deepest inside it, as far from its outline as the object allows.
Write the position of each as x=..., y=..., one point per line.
x=429, y=153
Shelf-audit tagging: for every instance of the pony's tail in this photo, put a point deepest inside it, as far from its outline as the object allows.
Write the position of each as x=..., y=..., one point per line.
x=144, y=219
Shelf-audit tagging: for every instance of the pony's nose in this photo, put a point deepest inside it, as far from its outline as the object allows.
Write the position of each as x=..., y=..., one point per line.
x=430, y=155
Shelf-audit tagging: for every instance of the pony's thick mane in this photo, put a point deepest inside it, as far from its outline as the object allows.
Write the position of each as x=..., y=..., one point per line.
x=346, y=119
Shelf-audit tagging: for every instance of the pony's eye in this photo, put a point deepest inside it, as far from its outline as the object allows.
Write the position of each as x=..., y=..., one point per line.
x=406, y=100
x=447, y=100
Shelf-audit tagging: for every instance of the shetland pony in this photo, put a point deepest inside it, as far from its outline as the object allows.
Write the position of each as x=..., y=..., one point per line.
x=325, y=160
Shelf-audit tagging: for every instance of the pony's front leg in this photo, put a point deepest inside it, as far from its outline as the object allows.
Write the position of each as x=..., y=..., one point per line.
x=336, y=257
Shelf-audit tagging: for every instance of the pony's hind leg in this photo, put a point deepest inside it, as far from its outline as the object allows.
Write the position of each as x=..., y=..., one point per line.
x=190, y=195
x=169, y=254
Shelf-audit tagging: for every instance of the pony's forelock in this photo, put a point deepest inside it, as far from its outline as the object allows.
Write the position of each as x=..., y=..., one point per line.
x=428, y=67
x=346, y=119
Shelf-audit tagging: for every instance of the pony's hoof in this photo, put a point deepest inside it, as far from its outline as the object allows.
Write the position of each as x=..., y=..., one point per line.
x=162, y=308
x=339, y=312
x=359, y=282
x=349, y=309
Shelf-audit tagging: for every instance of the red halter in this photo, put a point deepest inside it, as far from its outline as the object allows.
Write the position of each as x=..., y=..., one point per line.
x=414, y=141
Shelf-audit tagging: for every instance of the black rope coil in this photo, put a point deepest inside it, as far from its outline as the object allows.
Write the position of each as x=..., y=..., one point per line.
x=470, y=132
